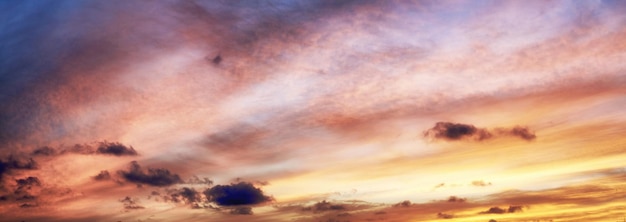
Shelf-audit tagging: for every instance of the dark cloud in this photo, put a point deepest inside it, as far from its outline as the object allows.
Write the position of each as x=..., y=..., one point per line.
x=241, y=211
x=522, y=132
x=153, y=176
x=79, y=149
x=29, y=181
x=44, y=151
x=241, y=193
x=515, y=209
x=445, y=215
x=28, y=205
x=494, y=210
x=103, y=175
x=131, y=204
x=458, y=131
x=498, y=210
x=116, y=149
x=106, y=148
x=405, y=203
x=217, y=60
x=76, y=149
x=325, y=206
x=23, y=191
x=186, y=195
x=456, y=199
x=16, y=163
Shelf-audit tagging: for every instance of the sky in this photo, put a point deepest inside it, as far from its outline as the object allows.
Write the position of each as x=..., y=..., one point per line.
x=304, y=111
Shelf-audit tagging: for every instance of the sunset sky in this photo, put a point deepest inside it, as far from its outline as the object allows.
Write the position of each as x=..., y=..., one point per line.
x=286, y=110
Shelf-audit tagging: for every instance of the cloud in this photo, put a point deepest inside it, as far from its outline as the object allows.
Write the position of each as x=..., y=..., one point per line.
x=153, y=176
x=459, y=131
x=44, y=151
x=515, y=209
x=116, y=149
x=28, y=205
x=186, y=195
x=498, y=210
x=79, y=149
x=103, y=175
x=480, y=183
x=29, y=181
x=196, y=180
x=104, y=147
x=16, y=163
x=242, y=211
x=522, y=132
x=24, y=191
x=241, y=193
x=325, y=206
x=445, y=215
x=131, y=204
x=494, y=210
x=456, y=199
x=405, y=203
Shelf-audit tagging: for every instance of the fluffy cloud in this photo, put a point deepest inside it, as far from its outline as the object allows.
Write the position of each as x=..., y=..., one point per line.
x=241, y=193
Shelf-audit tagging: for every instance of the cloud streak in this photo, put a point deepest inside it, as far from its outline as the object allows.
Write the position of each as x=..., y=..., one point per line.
x=459, y=131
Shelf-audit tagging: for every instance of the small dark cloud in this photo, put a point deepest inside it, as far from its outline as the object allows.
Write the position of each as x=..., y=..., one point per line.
x=103, y=175
x=217, y=60
x=523, y=132
x=29, y=181
x=79, y=149
x=28, y=205
x=242, y=193
x=480, y=183
x=23, y=190
x=153, y=176
x=325, y=206
x=131, y=204
x=494, y=210
x=492, y=220
x=25, y=197
x=445, y=215
x=106, y=148
x=155, y=193
x=498, y=210
x=241, y=211
x=44, y=151
x=458, y=131
x=24, y=187
x=405, y=203
x=515, y=209
x=16, y=163
x=116, y=149
x=186, y=195
x=456, y=199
